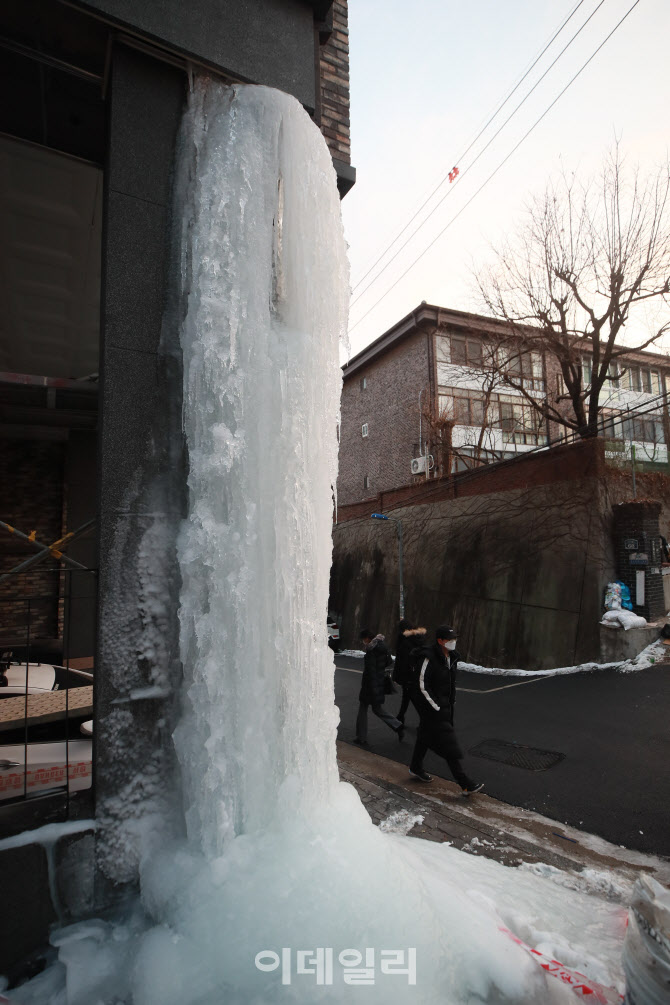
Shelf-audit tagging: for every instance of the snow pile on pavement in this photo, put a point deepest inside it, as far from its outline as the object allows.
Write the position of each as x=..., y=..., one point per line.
x=400, y=822
x=599, y=882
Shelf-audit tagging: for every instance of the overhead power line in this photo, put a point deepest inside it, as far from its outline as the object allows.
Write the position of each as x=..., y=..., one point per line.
x=481, y=152
x=472, y=143
x=500, y=165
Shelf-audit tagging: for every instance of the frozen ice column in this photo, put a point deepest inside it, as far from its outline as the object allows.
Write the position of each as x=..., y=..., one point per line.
x=265, y=286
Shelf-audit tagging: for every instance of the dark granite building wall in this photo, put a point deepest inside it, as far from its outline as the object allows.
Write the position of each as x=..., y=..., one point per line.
x=142, y=480
x=259, y=41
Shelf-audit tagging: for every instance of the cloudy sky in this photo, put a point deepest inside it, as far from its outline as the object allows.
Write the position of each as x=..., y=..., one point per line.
x=426, y=77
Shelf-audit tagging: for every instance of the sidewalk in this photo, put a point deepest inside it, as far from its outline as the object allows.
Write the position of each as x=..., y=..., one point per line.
x=484, y=826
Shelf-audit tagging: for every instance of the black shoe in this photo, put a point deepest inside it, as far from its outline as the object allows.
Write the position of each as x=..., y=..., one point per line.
x=401, y=733
x=361, y=743
x=472, y=788
x=421, y=775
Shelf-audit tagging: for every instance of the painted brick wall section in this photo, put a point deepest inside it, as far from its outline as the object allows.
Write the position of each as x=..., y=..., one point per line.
x=334, y=69
x=390, y=406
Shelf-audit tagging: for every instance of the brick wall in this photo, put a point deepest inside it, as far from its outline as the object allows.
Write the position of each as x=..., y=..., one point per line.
x=31, y=475
x=576, y=461
x=638, y=521
x=390, y=406
x=334, y=74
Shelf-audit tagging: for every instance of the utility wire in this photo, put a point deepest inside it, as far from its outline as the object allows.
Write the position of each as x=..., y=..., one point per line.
x=469, y=148
x=482, y=151
x=500, y=165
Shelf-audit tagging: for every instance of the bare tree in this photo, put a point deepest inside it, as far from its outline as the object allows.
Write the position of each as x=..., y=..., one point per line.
x=588, y=261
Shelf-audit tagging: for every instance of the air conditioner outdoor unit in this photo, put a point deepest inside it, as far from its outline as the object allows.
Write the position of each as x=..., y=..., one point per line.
x=418, y=465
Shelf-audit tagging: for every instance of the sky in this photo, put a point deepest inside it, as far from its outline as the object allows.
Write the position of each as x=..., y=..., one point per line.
x=427, y=76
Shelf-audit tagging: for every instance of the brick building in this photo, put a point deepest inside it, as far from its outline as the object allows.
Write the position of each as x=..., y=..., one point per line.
x=427, y=398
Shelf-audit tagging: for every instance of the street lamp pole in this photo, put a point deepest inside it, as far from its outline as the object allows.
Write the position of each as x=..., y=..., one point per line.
x=398, y=523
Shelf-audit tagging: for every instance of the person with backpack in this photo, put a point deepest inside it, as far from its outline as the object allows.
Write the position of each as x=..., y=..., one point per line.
x=409, y=638
x=376, y=672
x=434, y=695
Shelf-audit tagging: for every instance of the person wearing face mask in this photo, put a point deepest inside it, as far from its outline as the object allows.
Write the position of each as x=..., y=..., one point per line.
x=433, y=696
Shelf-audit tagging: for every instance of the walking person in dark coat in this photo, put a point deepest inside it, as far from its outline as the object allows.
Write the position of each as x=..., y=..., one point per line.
x=409, y=638
x=434, y=695
x=373, y=688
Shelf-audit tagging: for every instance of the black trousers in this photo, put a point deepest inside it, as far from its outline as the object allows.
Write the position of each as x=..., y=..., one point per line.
x=431, y=740
x=380, y=712
x=404, y=704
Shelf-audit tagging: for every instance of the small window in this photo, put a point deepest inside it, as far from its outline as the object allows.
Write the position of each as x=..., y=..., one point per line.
x=462, y=411
x=613, y=374
x=364, y=429
x=475, y=356
x=364, y=383
x=458, y=351
x=366, y=481
x=477, y=411
x=632, y=379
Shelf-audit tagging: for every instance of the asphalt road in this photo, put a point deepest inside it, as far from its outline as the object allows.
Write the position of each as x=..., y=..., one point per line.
x=612, y=728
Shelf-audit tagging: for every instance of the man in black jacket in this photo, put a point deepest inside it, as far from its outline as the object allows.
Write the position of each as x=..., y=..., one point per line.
x=373, y=687
x=409, y=638
x=434, y=695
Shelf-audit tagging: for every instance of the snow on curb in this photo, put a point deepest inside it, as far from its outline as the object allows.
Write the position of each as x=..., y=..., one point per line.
x=650, y=655
x=642, y=661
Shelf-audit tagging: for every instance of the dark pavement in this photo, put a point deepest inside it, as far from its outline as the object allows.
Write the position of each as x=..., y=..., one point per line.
x=612, y=728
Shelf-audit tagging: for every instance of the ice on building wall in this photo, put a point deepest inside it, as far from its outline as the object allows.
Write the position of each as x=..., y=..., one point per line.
x=266, y=283
x=280, y=857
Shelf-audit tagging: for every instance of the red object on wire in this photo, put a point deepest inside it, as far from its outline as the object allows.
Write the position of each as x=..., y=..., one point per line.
x=453, y=174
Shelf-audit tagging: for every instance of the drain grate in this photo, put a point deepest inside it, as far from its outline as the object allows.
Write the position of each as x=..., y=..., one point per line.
x=517, y=754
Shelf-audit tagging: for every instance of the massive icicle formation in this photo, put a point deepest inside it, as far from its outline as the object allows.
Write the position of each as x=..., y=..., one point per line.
x=266, y=280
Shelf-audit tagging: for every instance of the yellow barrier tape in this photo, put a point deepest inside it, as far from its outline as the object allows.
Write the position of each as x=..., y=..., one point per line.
x=55, y=552
x=31, y=536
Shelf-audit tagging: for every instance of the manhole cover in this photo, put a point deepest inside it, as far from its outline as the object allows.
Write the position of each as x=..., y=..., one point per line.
x=517, y=754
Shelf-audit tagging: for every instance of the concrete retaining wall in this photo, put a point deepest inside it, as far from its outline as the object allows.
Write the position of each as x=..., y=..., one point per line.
x=521, y=573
